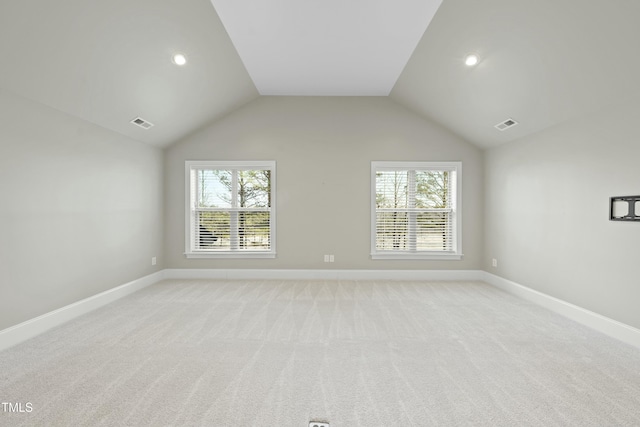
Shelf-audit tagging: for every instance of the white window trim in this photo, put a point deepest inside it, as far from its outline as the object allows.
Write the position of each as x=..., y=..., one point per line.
x=196, y=164
x=456, y=253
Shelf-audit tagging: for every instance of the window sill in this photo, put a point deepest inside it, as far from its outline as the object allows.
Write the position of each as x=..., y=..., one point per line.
x=230, y=254
x=435, y=256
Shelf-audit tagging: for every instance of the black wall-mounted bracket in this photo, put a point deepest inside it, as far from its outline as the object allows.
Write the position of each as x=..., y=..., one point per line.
x=624, y=208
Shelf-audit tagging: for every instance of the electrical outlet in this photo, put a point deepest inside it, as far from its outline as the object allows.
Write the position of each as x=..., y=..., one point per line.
x=326, y=258
x=153, y=260
x=318, y=424
x=494, y=262
x=331, y=258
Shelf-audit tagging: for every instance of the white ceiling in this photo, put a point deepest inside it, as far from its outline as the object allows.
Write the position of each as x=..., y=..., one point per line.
x=542, y=62
x=328, y=47
x=109, y=61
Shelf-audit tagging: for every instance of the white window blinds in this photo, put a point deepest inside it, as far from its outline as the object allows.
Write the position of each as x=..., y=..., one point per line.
x=415, y=210
x=231, y=209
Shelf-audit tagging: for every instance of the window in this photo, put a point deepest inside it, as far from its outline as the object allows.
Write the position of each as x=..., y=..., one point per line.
x=230, y=209
x=415, y=210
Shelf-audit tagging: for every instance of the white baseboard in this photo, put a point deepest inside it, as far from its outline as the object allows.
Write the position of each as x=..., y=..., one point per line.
x=23, y=331
x=607, y=326
x=267, y=274
x=29, y=329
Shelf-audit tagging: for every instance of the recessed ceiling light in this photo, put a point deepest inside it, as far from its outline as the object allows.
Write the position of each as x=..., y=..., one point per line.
x=179, y=59
x=471, y=60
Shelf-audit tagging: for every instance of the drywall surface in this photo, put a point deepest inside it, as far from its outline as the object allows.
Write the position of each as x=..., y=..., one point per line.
x=80, y=209
x=547, y=213
x=323, y=148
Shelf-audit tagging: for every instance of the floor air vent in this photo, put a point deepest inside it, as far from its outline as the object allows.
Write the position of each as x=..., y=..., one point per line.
x=506, y=124
x=138, y=121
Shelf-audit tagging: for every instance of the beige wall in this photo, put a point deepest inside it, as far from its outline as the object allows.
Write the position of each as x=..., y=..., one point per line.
x=547, y=213
x=80, y=209
x=84, y=209
x=323, y=148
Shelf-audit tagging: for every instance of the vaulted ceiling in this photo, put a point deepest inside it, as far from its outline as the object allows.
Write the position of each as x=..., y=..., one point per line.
x=541, y=62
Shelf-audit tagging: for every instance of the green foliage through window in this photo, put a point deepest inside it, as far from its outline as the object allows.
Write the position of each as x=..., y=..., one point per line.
x=231, y=209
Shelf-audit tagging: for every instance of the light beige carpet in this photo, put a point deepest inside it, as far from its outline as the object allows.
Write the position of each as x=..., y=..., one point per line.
x=280, y=353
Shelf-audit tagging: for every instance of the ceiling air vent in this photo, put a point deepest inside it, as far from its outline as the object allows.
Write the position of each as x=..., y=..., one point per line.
x=506, y=124
x=142, y=123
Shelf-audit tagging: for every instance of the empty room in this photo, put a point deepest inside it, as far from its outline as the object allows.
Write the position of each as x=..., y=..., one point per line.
x=319, y=213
